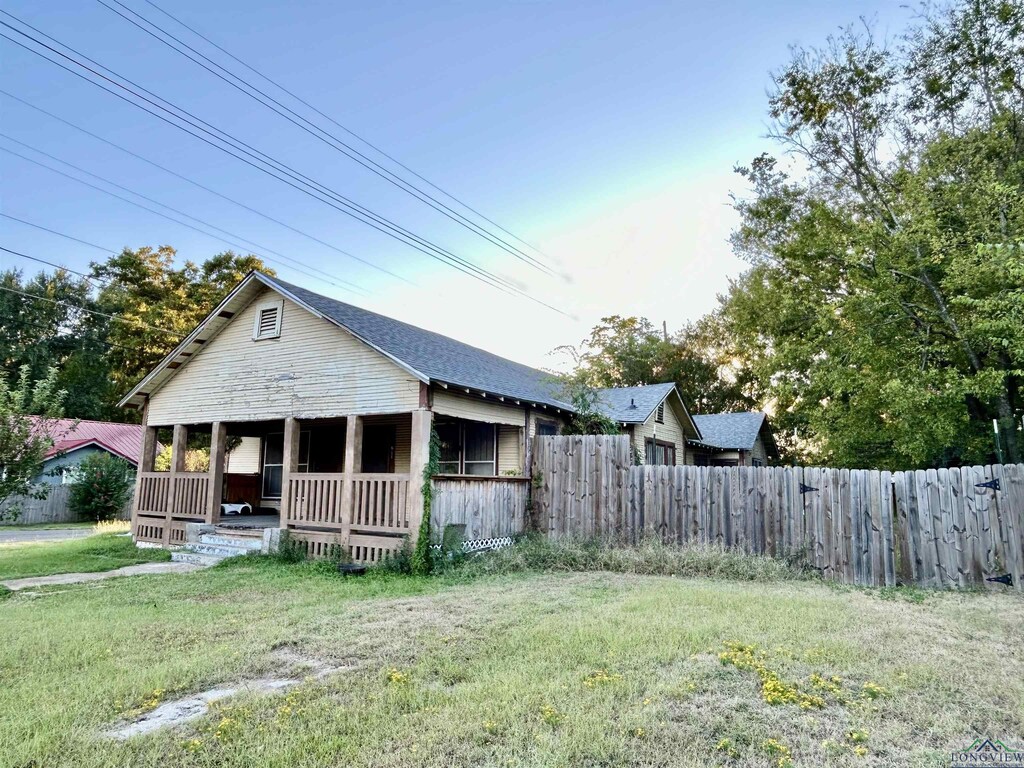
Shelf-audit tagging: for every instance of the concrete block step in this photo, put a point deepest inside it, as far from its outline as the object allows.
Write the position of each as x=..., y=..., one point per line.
x=184, y=556
x=228, y=530
x=217, y=550
x=239, y=542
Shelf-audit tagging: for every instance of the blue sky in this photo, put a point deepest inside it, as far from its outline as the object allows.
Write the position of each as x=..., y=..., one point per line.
x=604, y=133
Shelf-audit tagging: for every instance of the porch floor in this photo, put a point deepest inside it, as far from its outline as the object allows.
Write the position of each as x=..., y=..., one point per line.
x=249, y=521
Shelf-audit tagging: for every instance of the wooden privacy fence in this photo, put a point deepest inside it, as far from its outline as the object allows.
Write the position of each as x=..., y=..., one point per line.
x=53, y=509
x=489, y=507
x=943, y=528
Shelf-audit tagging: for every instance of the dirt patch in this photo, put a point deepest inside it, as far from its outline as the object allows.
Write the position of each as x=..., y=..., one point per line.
x=175, y=713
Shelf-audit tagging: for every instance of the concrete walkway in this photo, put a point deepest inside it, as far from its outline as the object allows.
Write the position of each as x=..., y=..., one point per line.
x=78, y=578
x=14, y=535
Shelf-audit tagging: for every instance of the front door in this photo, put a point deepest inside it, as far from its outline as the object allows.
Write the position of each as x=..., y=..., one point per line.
x=379, y=448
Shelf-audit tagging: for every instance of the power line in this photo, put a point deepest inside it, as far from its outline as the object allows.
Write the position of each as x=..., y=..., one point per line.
x=347, y=130
x=360, y=213
x=150, y=210
x=317, y=132
x=193, y=182
x=59, y=234
x=83, y=275
x=118, y=318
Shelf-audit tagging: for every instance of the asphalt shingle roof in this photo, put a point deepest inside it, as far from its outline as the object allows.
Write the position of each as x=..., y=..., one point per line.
x=124, y=440
x=632, y=405
x=732, y=431
x=437, y=357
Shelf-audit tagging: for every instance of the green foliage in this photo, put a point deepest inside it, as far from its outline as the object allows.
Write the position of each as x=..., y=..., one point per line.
x=535, y=552
x=290, y=549
x=630, y=351
x=882, y=313
x=28, y=411
x=102, y=487
x=586, y=419
x=421, y=557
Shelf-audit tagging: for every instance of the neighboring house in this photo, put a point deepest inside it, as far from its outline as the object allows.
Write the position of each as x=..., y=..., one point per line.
x=76, y=440
x=734, y=439
x=655, y=419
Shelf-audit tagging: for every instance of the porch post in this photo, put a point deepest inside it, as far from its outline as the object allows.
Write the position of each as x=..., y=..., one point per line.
x=179, y=444
x=147, y=457
x=419, y=455
x=290, y=465
x=215, y=489
x=353, y=465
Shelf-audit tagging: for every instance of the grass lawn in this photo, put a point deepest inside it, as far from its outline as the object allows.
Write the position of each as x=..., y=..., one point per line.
x=102, y=552
x=48, y=526
x=592, y=669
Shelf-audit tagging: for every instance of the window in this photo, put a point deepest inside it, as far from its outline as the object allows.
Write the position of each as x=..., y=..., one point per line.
x=546, y=428
x=478, y=449
x=757, y=463
x=267, y=324
x=467, y=448
x=659, y=415
x=659, y=453
x=273, y=462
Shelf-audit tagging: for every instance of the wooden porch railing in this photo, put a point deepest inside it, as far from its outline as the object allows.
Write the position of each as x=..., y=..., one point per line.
x=316, y=499
x=379, y=501
x=168, y=500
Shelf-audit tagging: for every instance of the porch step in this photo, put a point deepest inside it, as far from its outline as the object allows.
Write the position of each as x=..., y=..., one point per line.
x=232, y=540
x=184, y=556
x=239, y=532
x=217, y=550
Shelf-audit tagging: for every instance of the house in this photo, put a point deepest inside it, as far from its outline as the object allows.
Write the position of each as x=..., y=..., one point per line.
x=734, y=439
x=325, y=412
x=655, y=419
x=74, y=440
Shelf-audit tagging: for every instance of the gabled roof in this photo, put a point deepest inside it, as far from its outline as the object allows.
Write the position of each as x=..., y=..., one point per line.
x=731, y=431
x=632, y=405
x=124, y=440
x=439, y=358
x=429, y=356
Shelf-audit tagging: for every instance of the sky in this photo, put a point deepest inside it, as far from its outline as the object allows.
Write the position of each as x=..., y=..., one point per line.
x=604, y=134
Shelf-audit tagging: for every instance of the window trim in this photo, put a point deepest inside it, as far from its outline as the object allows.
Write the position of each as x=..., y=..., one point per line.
x=461, y=425
x=278, y=306
x=651, y=441
x=304, y=434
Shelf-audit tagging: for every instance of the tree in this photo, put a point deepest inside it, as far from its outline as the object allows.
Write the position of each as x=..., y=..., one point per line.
x=629, y=352
x=882, y=310
x=102, y=487
x=28, y=413
x=586, y=419
x=159, y=304
x=46, y=325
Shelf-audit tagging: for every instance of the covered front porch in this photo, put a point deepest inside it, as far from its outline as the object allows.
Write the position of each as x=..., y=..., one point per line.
x=341, y=482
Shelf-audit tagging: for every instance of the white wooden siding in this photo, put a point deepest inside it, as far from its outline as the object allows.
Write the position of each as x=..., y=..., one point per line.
x=510, y=449
x=245, y=458
x=669, y=432
x=314, y=369
x=477, y=408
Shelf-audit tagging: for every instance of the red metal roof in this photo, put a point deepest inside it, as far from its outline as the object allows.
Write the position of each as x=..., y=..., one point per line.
x=124, y=440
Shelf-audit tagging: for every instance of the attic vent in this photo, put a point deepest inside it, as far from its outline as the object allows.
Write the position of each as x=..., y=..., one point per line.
x=659, y=416
x=267, y=324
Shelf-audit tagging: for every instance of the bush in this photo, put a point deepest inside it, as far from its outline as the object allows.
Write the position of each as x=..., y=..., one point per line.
x=102, y=487
x=650, y=557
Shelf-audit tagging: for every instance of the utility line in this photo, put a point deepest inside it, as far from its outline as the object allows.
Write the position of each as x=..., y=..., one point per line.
x=347, y=130
x=314, y=130
x=59, y=234
x=378, y=222
x=118, y=318
x=194, y=183
x=155, y=212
